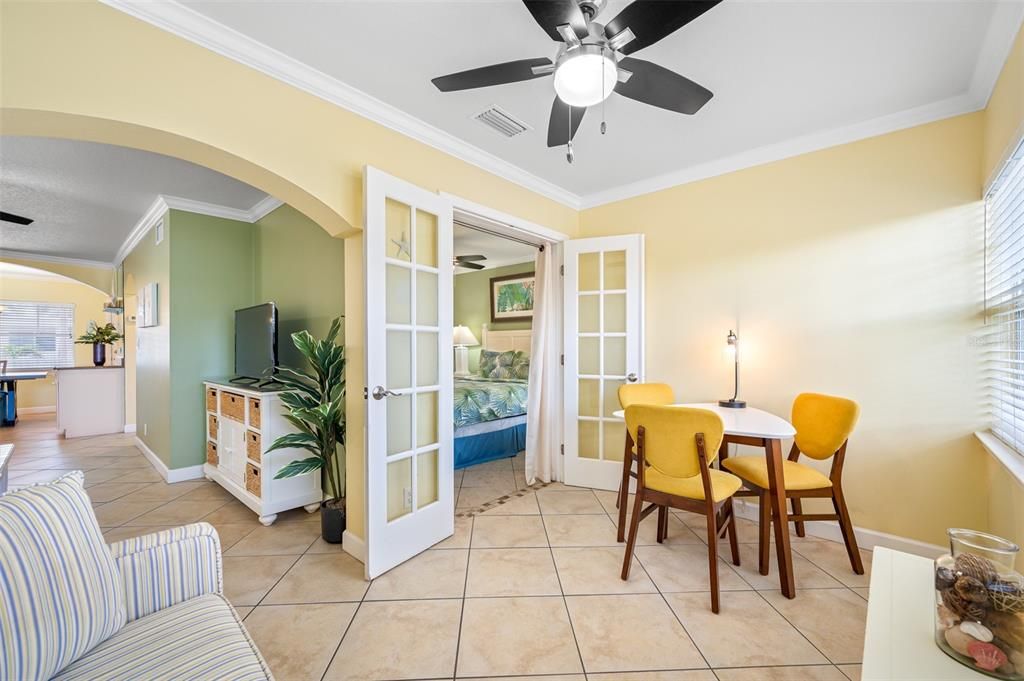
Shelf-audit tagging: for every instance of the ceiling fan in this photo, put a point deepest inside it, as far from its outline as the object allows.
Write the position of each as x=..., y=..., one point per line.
x=592, y=61
x=16, y=219
x=469, y=261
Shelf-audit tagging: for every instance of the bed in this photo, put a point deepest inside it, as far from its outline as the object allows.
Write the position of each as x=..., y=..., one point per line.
x=490, y=411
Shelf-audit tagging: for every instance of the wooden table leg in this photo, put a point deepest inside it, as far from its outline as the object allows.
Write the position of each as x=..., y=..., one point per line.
x=780, y=515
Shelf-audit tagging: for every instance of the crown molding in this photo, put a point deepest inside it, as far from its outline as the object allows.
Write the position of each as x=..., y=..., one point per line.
x=205, y=32
x=42, y=257
x=201, y=30
x=264, y=208
x=164, y=203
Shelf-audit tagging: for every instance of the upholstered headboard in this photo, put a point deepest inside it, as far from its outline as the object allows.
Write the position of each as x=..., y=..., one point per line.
x=503, y=341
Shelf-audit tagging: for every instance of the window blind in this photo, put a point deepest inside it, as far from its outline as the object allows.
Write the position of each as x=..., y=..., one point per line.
x=1004, y=301
x=37, y=335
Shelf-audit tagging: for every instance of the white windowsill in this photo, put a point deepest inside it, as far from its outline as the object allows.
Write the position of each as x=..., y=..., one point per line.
x=1011, y=460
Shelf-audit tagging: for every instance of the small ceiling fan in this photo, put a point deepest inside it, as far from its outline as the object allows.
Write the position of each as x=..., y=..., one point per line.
x=16, y=219
x=469, y=261
x=592, y=61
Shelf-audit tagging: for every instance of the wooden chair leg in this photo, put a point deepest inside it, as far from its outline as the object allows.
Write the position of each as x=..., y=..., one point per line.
x=839, y=503
x=713, y=558
x=662, y=524
x=797, y=510
x=623, y=499
x=734, y=546
x=764, y=532
x=634, y=525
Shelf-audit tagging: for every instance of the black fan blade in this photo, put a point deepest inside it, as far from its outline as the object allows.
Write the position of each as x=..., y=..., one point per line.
x=551, y=14
x=496, y=74
x=16, y=219
x=470, y=265
x=558, y=124
x=652, y=20
x=658, y=86
x=471, y=257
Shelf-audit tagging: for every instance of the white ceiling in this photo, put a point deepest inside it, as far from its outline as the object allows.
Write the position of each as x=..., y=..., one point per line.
x=499, y=251
x=86, y=197
x=787, y=76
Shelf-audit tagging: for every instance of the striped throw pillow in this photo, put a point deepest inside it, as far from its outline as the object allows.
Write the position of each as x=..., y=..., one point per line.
x=60, y=591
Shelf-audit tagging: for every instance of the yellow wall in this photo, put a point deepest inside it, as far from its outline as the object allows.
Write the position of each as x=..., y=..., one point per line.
x=177, y=98
x=100, y=278
x=355, y=376
x=855, y=271
x=88, y=304
x=1004, y=126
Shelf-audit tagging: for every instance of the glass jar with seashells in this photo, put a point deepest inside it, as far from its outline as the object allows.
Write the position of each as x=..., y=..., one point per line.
x=979, y=611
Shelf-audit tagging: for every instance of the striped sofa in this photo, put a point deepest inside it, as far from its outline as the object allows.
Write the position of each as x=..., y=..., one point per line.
x=72, y=607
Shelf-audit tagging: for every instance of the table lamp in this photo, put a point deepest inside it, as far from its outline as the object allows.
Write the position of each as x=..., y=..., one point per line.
x=732, y=346
x=461, y=337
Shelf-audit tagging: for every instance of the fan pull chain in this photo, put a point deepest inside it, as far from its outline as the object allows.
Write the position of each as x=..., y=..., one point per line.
x=604, y=98
x=569, y=156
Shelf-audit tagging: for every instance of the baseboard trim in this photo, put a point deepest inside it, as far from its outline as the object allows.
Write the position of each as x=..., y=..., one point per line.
x=129, y=428
x=353, y=546
x=38, y=410
x=866, y=539
x=170, y=475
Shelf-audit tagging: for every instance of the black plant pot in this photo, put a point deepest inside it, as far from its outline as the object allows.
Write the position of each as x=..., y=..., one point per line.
x=332, y=523
x=99, y=354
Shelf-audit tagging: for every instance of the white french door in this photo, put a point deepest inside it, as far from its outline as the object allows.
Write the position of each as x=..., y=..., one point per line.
x=603, y=346
x=409, y=428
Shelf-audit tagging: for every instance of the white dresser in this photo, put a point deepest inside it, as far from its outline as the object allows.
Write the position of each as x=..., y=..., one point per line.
x=241, y=424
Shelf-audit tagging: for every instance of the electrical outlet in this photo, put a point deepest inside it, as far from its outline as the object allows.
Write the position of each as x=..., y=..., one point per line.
x=408, y=498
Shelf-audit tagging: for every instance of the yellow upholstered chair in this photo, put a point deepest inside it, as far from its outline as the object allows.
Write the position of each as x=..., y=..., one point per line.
x=630, y=394
x=823, y=425
x=675, y=447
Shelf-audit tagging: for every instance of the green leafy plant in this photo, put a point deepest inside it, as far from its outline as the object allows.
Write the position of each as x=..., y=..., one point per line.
x=105, y=334
x=316, y=403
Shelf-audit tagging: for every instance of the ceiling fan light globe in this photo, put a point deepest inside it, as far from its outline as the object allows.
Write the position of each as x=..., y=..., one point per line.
x=585, y=77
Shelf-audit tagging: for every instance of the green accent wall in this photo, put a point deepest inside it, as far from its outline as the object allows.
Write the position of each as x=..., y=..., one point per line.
x=300, y=267
x=473, y=304
x=206, y=268
x=151, y=263
x=212, y=274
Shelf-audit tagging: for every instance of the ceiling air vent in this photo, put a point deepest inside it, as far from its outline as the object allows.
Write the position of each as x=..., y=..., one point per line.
x=502, y=121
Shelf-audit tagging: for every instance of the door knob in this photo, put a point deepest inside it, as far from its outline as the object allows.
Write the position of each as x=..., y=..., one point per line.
x=631, y=377
x=380, y=392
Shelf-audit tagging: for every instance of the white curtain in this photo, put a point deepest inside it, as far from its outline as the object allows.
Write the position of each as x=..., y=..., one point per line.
x=544, y=407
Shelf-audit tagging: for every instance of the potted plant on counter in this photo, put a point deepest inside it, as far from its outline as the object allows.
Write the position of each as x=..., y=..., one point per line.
x=316, y=403
x=99, y=337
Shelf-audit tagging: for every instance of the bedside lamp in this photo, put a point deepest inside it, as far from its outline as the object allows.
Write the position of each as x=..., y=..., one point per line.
x=732, y=347
x=461, y=337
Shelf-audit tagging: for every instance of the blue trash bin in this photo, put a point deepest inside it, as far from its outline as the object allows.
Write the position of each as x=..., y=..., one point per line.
x=8, y=408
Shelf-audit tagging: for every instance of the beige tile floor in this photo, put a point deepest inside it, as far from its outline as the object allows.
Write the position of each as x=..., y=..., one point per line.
x=528, y=589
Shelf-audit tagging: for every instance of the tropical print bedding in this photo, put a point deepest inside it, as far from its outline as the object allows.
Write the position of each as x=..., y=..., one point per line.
x=479, y=399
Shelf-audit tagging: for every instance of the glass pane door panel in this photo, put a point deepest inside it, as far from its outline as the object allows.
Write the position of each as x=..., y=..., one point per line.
x=589, y=445
x=426, y=419
x=399, y=488
x=589, y=398
x=399, y=353
x=426, y=299
x=399, y=417
x=614, y=356
x=614, y=440
x=615, y=312
x=611, y=397
x=614, y=270
x=398, y=218
x=590, y=356
x=426, y=238
x=590, y=271
x=590, y=314
x=398, y=294
x=426, y=478
x=426, y=358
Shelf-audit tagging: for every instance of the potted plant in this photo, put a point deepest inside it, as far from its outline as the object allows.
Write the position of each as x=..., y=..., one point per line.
x=316, y=403
x=99, y=337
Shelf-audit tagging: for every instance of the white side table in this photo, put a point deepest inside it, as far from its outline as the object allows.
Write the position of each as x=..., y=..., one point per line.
x=899, y=643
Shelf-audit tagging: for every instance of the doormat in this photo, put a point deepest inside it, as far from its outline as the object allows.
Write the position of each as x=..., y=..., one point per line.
x=486, y=506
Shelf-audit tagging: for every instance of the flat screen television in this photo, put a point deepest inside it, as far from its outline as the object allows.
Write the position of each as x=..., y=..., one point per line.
x=256, y=342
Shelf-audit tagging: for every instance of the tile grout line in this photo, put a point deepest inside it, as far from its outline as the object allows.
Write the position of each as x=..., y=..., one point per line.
x=561, y=589
x=462, y=610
